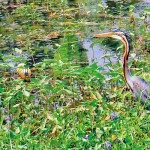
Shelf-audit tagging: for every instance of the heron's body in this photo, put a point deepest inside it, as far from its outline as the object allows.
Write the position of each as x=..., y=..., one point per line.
x=138, y=85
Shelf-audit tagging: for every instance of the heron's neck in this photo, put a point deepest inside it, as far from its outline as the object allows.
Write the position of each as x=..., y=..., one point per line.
x=126, y=70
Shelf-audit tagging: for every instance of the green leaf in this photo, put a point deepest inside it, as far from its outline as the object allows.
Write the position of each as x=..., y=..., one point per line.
x=146, y=140
x=127, y=139
x=68, y=91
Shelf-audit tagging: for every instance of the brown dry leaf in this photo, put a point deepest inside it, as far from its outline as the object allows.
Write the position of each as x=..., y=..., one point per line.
x=92, y=96
x=54, y=131
x=43, y=96
x=107, y=118
x=51, y=118
x=53, y=34
x=132, y=19
x=52, y=82
x=98, y=95
x=111, y=103
x=51, y=14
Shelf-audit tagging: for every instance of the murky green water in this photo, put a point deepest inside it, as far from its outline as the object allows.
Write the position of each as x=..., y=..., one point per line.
x=31, y=34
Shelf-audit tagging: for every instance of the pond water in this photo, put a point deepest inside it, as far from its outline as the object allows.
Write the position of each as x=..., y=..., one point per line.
x=29, y=46
x=96, y=52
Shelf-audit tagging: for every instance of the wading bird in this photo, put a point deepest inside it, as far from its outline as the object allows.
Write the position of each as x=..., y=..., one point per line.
x=139, y=87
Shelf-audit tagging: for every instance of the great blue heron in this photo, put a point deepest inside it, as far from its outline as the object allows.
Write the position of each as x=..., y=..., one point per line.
x=139, y=87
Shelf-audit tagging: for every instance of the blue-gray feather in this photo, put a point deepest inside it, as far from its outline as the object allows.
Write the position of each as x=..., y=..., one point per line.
x=140, y=87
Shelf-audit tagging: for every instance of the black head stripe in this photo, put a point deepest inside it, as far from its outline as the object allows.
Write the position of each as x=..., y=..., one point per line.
x=125, y=33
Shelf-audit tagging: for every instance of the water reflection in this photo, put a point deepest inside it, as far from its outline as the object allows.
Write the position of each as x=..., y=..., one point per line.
x=96, y=53
x=115, y=7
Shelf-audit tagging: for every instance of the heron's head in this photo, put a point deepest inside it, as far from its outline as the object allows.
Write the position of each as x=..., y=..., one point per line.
x=124, y=37
x=117, y=35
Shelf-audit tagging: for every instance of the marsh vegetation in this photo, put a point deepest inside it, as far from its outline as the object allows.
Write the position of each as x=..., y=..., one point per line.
x=76, y=97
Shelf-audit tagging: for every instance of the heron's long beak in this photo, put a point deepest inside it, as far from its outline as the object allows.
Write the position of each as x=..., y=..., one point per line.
x=109, y=34
x=116, y=35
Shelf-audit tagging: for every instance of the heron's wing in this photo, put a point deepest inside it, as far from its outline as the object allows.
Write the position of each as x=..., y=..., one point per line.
x=140, y=87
